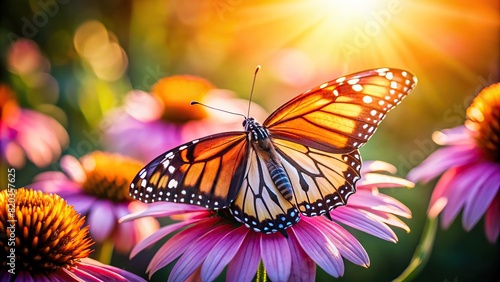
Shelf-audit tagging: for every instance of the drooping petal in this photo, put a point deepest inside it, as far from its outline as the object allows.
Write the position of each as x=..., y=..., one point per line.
x=222, y=253
x=373, y=200
x=178, y=244
x=459, y=135
x=319, y=247
x=107, y=272
x=197, y=252
x=245, y=263
x=276, y=256
x=364, y=221
x=303, y=267
x=492, y=220
x=382, y=181
x=159, y=234
x=480, y=198
x=348, y=246
x=441, y=160
x=467, y=180
x=101, y=220
x=377, y=166
x=163, y=209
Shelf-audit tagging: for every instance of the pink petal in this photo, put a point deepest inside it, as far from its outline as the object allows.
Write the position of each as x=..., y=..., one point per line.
x=276, y=256
x=364, y=221
x=102, y=220
x=479, y=200
x=369, y=180
x=158, y=235
x=222, y=253
x=81, y=202
x=442, y=160
x=439, y=197
x=72, y=167
x=373, y=200
x=377, y=166
x=163, y=209
x=492, y=220
x=455, y=136
x=348, y=246
x=196, y=253
x=125, y=234
x=107, y=272
x=319, y=247
x=178, y=244
x=303, y=267
x=244, y=264
x=463, y=186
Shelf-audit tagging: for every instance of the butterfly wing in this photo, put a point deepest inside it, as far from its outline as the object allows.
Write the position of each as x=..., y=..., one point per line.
x=259, y=205
x=320, y=180
x=207, y=172
x=341, y=115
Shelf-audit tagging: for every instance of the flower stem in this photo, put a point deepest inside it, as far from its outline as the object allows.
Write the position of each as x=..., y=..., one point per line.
x=104, y=251
x=261, y=273
x=422, y=253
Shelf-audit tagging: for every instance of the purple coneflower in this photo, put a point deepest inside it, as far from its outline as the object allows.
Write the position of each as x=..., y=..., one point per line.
x=97, y=186
x=45, y=242
x=470, y=164
x=165, y=119
x=28, y=134
x=209, y=240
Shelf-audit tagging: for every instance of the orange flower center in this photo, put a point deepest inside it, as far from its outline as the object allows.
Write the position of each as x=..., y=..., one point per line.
x=109, y=175
x=484, y=120
x=43, y=232
x=177, y=92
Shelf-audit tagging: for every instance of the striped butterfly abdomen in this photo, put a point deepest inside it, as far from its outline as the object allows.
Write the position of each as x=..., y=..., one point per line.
x=280, y=179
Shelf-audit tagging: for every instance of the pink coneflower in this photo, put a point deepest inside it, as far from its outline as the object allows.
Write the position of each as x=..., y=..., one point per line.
x=97, y=186
x=165, y=119
x=209, y=240
x=28, y=134
x=470, y=164
x=45, y=241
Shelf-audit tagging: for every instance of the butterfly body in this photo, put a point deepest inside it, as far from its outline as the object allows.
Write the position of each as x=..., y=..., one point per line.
x=303, y=160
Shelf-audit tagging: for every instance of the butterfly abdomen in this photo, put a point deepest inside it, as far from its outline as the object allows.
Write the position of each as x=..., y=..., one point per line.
x=280, y=179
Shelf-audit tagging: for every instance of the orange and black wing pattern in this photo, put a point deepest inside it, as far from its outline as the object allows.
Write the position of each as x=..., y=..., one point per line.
x=206, y=172
x=320, y=180
x=340, y=116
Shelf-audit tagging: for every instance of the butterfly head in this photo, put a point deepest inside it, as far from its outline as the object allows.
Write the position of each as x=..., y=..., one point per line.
x=250, y=124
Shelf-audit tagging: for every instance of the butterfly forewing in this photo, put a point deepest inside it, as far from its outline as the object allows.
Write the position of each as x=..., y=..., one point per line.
x=206, y=172
x=259, y=205
x=341, y=115
x=321, y=180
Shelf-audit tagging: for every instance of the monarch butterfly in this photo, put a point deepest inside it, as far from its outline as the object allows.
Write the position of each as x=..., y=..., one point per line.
x=303, y=160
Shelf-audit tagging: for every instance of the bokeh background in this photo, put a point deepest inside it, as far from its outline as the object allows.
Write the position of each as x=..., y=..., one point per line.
x=78, y=59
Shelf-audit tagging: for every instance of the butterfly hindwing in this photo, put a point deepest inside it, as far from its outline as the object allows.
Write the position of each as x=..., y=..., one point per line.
x=259, y=205
x=320, y=180
x=206, y=172
x=341, y=115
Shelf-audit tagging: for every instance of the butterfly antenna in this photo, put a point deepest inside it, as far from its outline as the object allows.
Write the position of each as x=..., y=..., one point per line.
x=253, y=85
x=217, y=109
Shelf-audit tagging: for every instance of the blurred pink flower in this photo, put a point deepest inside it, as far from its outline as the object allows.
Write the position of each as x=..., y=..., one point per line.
x=213, y=239
x=150, y=124
x=97, y=186
x=470, y=164
x=28, y=134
